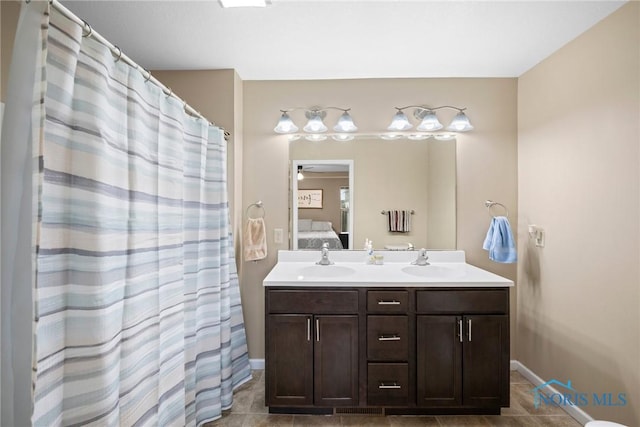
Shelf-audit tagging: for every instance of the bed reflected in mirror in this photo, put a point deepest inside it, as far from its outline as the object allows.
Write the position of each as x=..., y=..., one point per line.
x=322, y=204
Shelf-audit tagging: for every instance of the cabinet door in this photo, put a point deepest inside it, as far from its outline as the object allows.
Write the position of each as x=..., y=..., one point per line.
x=486, y=360
x=336, y=361
x=289, y=360
x=439, y=360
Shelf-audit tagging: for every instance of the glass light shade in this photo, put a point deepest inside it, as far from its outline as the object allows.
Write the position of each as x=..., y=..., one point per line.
x=445, y=137
x=315, y=124
x=418, y=136
x=315, y=137
x=460, y=123
x=390, y=136
x=429, y=122
x=300, y=175
x=400, y=122
x=345, y=123
x=342, y=137
x=285, y=125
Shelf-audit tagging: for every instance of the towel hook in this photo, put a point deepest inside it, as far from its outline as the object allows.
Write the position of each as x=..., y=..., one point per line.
x=490, y=203
x=257, y=204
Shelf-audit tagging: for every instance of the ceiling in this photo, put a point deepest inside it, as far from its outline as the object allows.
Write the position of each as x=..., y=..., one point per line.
x=331, y=39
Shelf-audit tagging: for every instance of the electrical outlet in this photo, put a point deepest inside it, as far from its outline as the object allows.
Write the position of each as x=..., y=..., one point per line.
x=277, y=235
x=537, y=234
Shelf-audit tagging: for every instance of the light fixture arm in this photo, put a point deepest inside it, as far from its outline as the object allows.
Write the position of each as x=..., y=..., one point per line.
x=314, y=109
x=424, y=107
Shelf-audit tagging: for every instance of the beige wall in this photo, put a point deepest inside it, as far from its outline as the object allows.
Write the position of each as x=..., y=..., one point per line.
x=441, y=195
x=578, y=173
x=486, y=158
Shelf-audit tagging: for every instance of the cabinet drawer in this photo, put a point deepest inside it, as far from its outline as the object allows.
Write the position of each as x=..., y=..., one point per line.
x=494, y=301
x=388, y=384
x=387, y=338
x=387, y=301
x=312, y=301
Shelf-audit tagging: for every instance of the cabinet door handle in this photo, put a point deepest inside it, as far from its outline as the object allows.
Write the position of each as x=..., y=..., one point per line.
x=460, y=329
x=469, y=326
x=389, y=338
x=317, y=329
x=394, y=302
x=388, y=386
x=308, y=329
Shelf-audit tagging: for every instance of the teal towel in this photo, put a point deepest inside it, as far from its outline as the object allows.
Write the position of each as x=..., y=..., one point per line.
x=500, y=242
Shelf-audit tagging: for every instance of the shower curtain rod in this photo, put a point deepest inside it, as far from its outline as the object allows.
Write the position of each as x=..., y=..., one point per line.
x=117, y=52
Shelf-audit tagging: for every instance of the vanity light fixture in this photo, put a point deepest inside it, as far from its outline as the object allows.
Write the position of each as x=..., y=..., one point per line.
x=428, y=120
x=315, y=122
x=428, y=126
x=300, y=175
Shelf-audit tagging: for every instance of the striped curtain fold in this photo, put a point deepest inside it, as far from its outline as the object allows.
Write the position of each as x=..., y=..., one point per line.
x=137, y=307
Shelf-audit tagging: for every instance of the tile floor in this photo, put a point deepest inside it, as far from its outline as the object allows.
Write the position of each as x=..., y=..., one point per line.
x=249, y=411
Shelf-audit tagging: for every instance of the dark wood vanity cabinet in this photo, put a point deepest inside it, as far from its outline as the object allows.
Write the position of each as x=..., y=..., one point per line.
x=398, y=351
x=462, y=348
x=290, y=357
x=312, y=348
x=460, y=361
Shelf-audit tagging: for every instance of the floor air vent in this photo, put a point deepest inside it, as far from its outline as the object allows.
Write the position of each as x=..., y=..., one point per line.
x=359, y=411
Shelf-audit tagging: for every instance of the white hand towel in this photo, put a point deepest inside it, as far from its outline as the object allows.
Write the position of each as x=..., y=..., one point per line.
x=255, y=240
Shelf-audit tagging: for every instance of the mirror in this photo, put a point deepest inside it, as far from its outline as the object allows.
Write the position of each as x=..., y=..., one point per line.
x=403, y=174
x=322, y=204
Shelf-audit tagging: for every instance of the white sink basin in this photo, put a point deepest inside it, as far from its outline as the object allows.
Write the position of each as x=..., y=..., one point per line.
x=321, y=271
x=433, y=271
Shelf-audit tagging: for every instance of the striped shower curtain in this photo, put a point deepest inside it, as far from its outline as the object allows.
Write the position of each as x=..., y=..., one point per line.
x=137, y=307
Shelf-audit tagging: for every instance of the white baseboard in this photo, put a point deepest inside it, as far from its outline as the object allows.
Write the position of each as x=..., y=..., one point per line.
x=256, y=363
x=575, y=412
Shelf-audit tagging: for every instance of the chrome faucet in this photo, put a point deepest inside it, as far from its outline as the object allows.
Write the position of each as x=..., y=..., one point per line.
x=325, y=255
x=422, y=258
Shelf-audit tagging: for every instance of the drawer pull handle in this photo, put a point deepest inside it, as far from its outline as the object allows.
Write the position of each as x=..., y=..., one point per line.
x=389, y=302
x=460, y=329
x=308, y=329
x=389, y=338
x=469, y=326
x=389, y=386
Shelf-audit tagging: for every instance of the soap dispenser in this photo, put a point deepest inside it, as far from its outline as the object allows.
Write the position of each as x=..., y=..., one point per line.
x=369, y=249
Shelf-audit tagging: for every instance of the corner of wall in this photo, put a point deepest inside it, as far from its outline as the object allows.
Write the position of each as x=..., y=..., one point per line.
x=579, y=179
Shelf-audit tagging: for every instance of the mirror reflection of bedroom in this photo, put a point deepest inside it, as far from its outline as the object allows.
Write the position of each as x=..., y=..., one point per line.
x=323, y=199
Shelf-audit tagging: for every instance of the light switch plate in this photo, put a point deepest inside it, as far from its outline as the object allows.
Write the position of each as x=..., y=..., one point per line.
x=277, y=235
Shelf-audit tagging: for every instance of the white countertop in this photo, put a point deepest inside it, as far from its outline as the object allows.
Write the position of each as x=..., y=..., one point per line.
x=446, y=269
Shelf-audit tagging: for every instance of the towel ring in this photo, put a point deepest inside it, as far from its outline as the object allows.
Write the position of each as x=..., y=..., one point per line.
x=257, y=204
x=490, y=203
